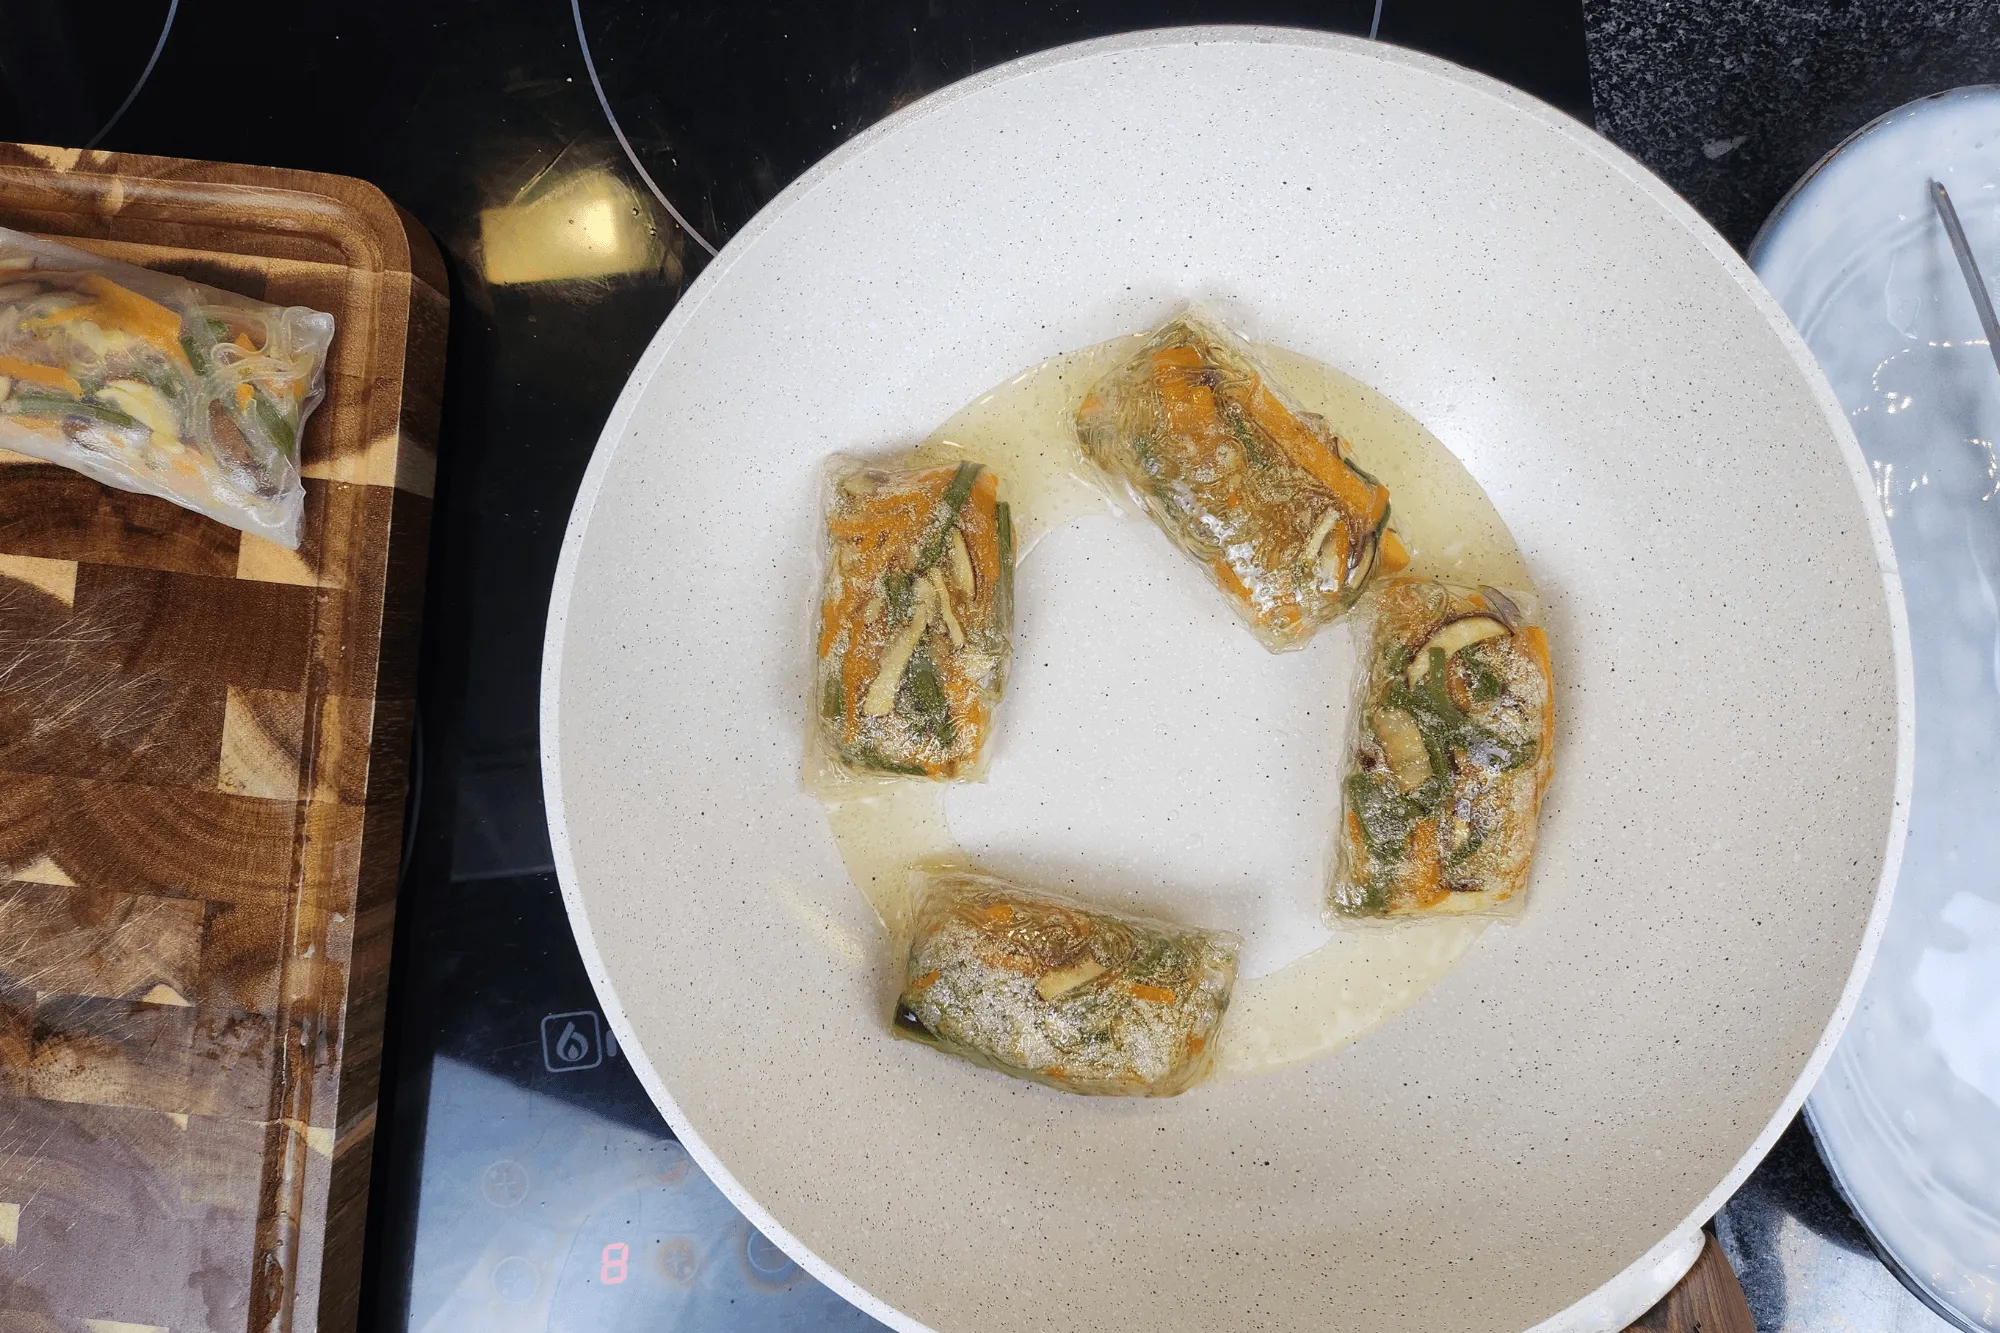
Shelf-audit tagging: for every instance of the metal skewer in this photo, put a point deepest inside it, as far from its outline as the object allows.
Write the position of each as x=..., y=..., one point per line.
x=1969, y=267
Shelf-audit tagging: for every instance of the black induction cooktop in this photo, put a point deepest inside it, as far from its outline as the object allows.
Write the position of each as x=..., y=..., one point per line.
x=523, y=1179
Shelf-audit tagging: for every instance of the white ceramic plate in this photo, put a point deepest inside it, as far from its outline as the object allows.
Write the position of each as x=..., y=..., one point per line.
x=1732, y=681
x=1909, y=1109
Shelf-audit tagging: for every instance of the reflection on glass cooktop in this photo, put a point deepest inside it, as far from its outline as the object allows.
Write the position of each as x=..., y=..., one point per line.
x=539, y=1215
x=547, y=1196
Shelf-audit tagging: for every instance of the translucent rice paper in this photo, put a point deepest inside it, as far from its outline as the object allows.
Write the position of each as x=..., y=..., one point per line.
x=1040, y=986
x=155, y=384
x=1453, y=720
x=1261, y=494
x=916, y=609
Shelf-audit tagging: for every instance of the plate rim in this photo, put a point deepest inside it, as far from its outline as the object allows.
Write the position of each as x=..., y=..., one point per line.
x=1640, y=1285
x=1769, y=237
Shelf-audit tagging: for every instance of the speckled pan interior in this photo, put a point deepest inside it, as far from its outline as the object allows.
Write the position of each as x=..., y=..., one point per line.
x=1733, y=688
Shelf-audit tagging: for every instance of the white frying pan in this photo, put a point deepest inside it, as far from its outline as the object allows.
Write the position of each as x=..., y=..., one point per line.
x=1585, y=1087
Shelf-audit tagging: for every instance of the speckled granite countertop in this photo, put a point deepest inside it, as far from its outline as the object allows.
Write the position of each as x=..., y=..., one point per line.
x=1732, y=100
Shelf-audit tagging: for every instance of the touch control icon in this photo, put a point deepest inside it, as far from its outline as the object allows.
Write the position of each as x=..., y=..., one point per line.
x=571, y=1042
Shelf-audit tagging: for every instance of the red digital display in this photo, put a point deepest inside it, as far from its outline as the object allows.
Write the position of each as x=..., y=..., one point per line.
x=611, y=1264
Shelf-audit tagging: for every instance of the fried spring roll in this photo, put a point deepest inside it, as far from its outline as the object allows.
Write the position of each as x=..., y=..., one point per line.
x=914, y=619
x=1040, y=986
x=1261, y=494
x=1453, y=724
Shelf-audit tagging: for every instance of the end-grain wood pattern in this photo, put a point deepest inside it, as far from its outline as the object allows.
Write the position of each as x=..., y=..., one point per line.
x=201, y=791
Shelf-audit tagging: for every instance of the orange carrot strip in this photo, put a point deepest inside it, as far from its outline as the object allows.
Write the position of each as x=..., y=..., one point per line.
x=899, y=516
x=1231, y=583
x=1151, y=994
x=40, y=374
x=1424, y=866
x=121, y=308
x=149, y=319
x=881, y=521
x=1308, y=451
x=829, y=625
x=979, y=525
x=986, y=488
x=1189, y=403
x=961, y=697
x=1394, y=555
x=1538, y=643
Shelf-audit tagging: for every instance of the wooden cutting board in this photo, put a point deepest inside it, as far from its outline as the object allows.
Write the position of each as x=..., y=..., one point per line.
x=203, y=742
x=1708, y=1300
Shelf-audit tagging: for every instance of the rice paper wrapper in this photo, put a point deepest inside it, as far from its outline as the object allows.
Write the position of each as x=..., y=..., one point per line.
x=914, y=626
x=1260, y=493
x=1450, y=753
x=1044, y=987
x=155, y=384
